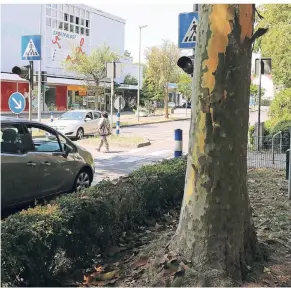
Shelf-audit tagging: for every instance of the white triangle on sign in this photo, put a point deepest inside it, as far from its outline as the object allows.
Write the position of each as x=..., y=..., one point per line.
x=191, y=34
x=30, y=50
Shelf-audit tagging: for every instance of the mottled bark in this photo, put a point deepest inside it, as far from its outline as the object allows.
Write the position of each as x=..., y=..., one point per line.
x=216, y=228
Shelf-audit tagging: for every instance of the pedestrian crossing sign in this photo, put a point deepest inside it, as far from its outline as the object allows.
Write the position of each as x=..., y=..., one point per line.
x=31, y=47
x=188, y=24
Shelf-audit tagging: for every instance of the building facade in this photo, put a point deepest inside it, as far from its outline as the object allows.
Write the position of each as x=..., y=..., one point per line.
x=62, y=27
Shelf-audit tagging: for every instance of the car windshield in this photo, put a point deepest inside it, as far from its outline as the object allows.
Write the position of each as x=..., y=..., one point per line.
x=73, y=115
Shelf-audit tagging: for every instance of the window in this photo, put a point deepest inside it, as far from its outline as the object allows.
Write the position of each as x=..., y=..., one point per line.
x=66, y=8
x=54, y=6
x=60, y=7
x=77, y=20
x=71, y=10
x=48, y=11
x=43, y=139
x=54, y=13
x=61, y=15
x=64, y=141
x=48, y=22
x=82, y=13
x=77, y=29
x=89, y=115
x=87, y=32
x=48, y=5
x=60, y=25
x=66, y=17
x=71, y=28
x=72, y=19
x=77, y=11
x=82, y=31
x=82, y=22
x=87, y=14
x=54, y=23
x=13, y=140
x=87, y=23
x=66, y=26
x=97, y=115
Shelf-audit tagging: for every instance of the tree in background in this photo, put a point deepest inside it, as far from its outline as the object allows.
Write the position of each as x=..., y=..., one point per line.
x=276, y=44
x=92, y=67
x=185, y=86
x=216, y=230
x=130, y=80
x=127, y=54
x=162, y=68
x=281, y=105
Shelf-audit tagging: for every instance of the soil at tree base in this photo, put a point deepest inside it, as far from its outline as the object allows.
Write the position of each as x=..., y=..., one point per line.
x=144, y=259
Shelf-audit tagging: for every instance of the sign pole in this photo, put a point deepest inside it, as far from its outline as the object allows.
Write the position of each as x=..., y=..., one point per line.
x=30, y=89
x=39, y=74
x=259, y=104
x=112, y=91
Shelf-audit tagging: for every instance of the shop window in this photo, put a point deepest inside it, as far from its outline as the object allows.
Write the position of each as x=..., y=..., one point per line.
x=48, y=22
x=66, y=17
x=72, y=19
x=50, y=98
x=87, y=23
x=71, y=28
x=87, y=32
x=48, y=11
x=77, y=20
x=66, y=26
x=77, y=29
x=82, y=31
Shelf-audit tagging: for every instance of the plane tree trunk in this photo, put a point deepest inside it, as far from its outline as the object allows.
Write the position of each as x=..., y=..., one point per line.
x=216, y=230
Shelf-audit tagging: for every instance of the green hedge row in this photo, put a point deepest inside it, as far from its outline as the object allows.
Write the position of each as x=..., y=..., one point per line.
x=40, y=243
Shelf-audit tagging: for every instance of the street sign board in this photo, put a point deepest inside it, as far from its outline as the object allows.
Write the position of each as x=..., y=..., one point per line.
x=31, y=47
x=188, y=23
x=119, y=103
x=16, y=102
x=116, y=67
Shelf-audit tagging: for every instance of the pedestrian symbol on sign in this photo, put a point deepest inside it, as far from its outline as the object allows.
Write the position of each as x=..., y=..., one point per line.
x=30, y=50
x=190, y=36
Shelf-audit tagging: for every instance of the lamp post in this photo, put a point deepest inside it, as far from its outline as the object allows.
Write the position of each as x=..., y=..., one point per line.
x=139, y=56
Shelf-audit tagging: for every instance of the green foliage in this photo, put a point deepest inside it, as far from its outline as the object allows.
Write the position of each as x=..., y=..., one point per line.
x=281, y=105
x=276, y=43
x=127, y=54
x=185, y=85
x=40, y=243
x=130, y=80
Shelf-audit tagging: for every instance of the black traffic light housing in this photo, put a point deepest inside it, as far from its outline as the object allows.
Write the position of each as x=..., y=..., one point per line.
x=186, y=64
x=25, y=72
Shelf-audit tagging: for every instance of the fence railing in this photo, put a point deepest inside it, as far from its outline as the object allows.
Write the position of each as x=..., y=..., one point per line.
x=268, y=152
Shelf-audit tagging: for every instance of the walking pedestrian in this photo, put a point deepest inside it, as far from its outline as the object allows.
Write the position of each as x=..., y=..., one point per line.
x=104, y=131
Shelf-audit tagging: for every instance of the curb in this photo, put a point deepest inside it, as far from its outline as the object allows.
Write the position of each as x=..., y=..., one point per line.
x=148, y=143
x=151, y=123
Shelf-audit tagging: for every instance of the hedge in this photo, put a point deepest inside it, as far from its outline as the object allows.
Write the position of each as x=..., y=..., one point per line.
x=40, y=243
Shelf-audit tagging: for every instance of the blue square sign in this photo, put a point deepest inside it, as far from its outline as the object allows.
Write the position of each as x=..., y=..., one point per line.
x=188, y=24
x=31, y=47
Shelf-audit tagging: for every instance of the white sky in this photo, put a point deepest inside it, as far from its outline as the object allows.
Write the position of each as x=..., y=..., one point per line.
x=162, y=21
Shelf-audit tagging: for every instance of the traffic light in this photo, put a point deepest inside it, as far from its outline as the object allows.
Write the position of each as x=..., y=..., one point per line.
x=186, y=64
x=24, y=72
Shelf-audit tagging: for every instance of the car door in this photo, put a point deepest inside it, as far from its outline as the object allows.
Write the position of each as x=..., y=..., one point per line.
x=46, y=146
x=97, y=117
x=89, y=125
x=20, y=173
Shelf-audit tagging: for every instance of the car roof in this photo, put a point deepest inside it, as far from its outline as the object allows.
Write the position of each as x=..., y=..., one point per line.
x=83, y=110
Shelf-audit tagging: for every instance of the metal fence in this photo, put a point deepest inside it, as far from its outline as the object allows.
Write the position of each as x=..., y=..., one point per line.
x=269, y=151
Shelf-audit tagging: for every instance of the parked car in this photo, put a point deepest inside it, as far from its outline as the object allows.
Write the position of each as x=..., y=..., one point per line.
x=188, y=105
x=77, y=123
x=37, y=161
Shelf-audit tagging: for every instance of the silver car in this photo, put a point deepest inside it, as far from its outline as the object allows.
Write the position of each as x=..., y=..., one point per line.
x=77, y=123
x=37, y=161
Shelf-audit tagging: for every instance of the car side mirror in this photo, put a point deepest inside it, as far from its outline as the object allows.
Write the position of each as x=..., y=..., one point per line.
x=67, y=150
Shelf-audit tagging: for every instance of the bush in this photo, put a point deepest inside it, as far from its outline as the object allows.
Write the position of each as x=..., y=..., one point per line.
x=40, y=243
x=281, y=105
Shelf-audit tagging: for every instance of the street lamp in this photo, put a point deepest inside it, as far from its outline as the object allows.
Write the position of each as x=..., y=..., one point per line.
x=139, y=56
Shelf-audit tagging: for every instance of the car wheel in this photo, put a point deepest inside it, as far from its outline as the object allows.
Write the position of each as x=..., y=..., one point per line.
x=80, y=134
x=82, y=181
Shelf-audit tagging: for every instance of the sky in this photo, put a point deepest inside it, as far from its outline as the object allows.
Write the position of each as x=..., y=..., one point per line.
x=162, y=21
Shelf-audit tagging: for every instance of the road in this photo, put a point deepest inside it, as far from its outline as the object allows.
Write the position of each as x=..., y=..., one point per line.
x=161, y=136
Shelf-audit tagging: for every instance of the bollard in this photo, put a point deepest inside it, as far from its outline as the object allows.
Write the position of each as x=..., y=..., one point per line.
x=117, y=123
x=178, y=143
x=287, y=163
x=52, y=116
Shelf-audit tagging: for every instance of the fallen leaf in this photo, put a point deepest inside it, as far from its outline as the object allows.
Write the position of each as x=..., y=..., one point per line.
x=107, y=276
x=266, y=270
x=141, y=262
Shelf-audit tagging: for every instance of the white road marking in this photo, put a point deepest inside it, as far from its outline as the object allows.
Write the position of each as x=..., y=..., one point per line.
x=158, y=153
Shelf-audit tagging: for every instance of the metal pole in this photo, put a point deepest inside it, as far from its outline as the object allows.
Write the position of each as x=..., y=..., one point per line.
x=289, y=183
x=259, y=103
x=138, y=88
x=39, y=74
x=112, y=91
x=30, y=89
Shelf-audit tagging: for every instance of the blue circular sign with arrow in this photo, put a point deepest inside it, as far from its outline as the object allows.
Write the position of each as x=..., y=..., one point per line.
x=16, y=103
